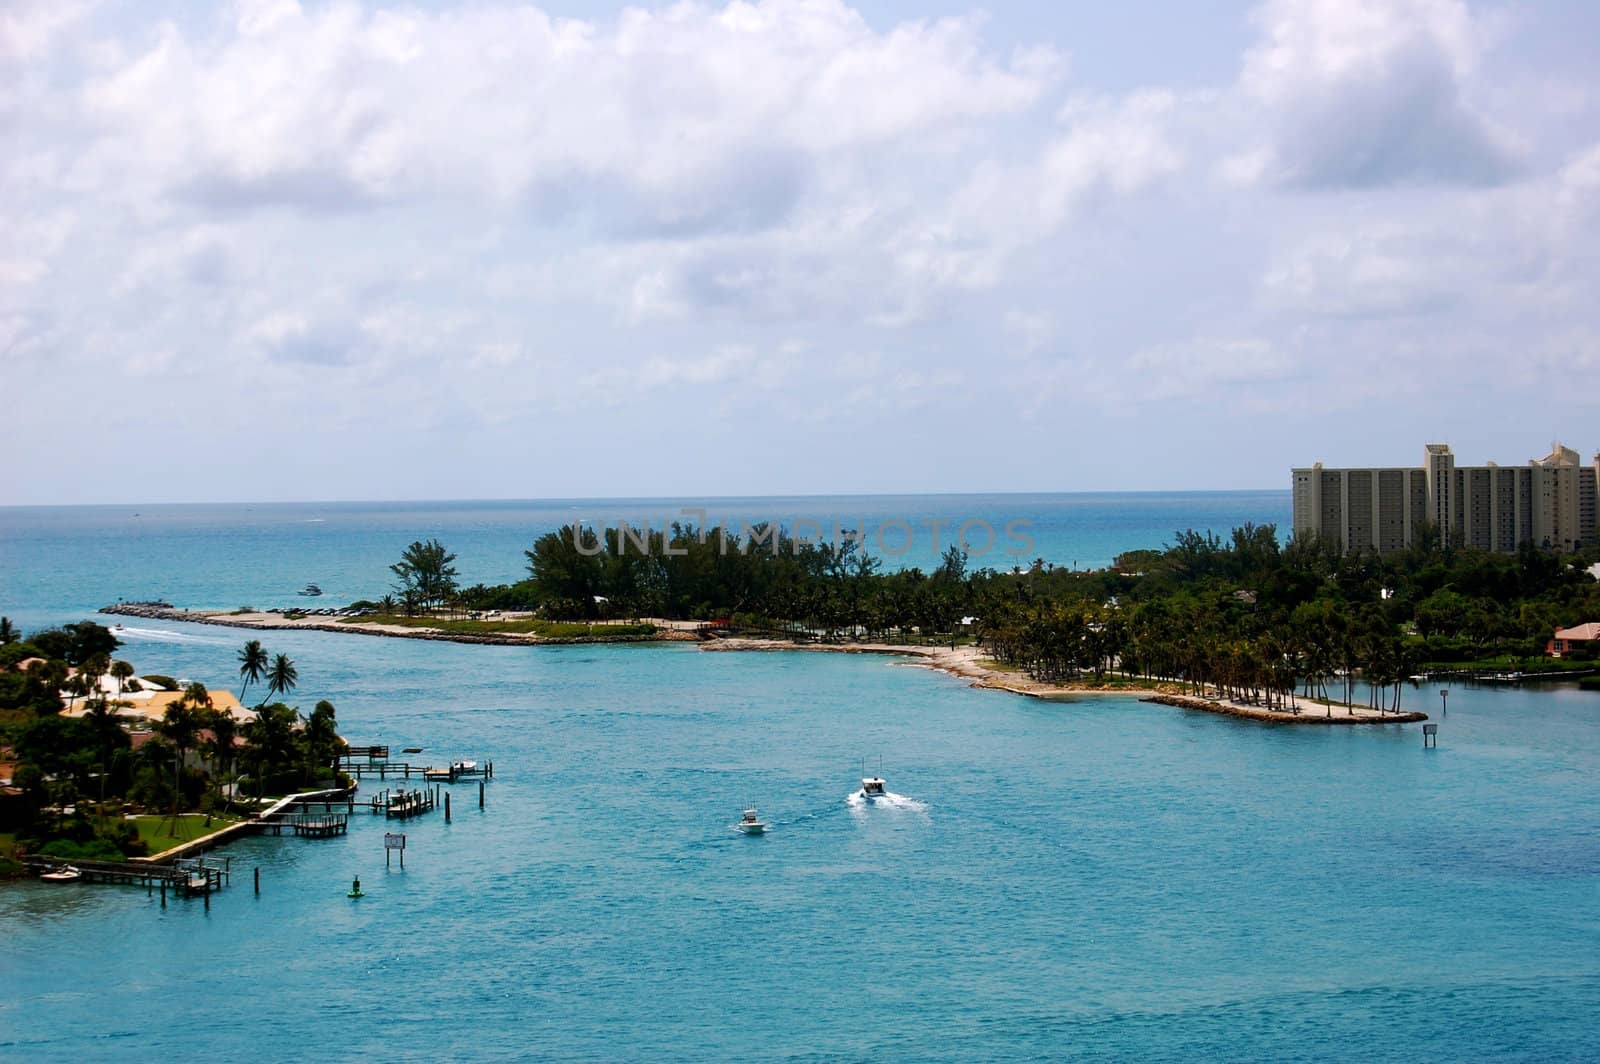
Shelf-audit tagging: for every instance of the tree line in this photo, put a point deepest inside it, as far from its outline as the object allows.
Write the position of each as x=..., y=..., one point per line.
x=76, y=774
x=1247, y=615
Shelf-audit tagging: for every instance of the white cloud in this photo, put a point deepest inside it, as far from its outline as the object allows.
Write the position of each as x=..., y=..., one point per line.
x=686, y=118
x=1198, y=368
x=1359, y=93
x=499, y=224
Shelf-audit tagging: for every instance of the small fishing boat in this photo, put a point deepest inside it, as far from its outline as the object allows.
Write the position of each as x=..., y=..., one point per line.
x=64, y=874
x=873, y=786
x=311, y=590
x=750, y=823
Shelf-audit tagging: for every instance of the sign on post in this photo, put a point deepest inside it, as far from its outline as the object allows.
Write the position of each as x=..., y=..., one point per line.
x=393, y=841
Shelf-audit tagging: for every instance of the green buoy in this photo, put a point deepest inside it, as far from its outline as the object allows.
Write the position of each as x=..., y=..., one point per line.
x=355, y=889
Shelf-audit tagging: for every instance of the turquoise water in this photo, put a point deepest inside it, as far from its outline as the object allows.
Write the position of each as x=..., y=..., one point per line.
x=57, y=561
x=1096, y=879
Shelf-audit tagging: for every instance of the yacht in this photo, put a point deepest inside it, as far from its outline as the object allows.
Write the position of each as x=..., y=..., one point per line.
x=311, y=590
x=64, y=874
x=751, y=823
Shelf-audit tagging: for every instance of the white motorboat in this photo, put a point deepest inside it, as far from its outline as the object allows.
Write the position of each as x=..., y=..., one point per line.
x=750, y=823
x=64, y=874
x=873, y=786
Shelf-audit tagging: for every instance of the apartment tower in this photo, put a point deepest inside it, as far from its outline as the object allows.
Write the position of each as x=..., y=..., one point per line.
x=1550, y=503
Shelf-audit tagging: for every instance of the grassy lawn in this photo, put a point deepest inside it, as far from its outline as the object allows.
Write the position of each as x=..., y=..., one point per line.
x=155, y=831
x=529, y=626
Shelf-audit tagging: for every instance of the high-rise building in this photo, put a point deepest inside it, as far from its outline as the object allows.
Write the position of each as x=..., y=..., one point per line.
x=1550, y=502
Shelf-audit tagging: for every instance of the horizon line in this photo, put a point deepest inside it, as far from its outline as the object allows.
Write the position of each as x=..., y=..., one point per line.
x=643, y=498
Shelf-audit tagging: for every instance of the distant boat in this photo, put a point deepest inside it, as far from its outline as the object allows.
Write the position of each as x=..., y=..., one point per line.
x=312, y=590
x=64, y=874
x=751, y=823
x=872, y=786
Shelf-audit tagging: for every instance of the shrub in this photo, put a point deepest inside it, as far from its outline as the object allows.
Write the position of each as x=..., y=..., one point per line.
x=164, y=683
x=74, y=850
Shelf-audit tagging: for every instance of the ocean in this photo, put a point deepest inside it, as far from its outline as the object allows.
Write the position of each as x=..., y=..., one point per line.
x=1089, y=879
x=57, y=562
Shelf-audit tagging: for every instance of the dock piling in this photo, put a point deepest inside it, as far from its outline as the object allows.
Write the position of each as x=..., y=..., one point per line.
x=163, y=894
x=447, y=808
x=258, y=879
x=480, y=794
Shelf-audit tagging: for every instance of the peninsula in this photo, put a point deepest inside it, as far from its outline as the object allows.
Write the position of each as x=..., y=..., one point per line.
x=1248, y=626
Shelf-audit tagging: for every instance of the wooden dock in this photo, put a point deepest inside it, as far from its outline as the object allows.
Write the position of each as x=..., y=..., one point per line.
x=308, y=825
x=367, y=764
x=400, y=805
x=187, y=876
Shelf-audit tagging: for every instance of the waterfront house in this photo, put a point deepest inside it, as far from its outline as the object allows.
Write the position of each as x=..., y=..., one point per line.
x=1566, y=640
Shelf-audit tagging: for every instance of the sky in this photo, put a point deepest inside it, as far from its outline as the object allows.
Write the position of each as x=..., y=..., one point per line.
x=272, y=250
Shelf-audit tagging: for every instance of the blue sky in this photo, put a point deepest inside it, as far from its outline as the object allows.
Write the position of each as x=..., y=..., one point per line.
x=366, y=250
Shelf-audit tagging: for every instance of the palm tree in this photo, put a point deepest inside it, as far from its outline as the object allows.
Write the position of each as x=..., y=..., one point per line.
x=122, y=672
x=220, y=749
x=252, y=665
x=179, y=726
x=282, y=677
x=94, y=667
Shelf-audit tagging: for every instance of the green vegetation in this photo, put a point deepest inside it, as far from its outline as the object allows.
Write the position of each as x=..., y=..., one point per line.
x=426, y=576
x=1246, y=617
x=78, y=774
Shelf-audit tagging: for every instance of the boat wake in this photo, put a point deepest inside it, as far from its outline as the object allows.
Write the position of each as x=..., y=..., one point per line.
x=165, y=635
x=859, y=802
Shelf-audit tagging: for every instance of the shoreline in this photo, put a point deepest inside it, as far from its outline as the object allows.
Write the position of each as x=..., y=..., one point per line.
x=278, y=623
x=964, y=662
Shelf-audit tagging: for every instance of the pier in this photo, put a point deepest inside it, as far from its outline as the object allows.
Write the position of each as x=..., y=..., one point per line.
x=186, y=876
x=400, y=805
x=367, y=762
x=307, y=825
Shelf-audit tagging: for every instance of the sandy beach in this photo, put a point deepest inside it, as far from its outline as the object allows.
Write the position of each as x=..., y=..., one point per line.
x=965, y=662
x=666, y=631
x=969, y=663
